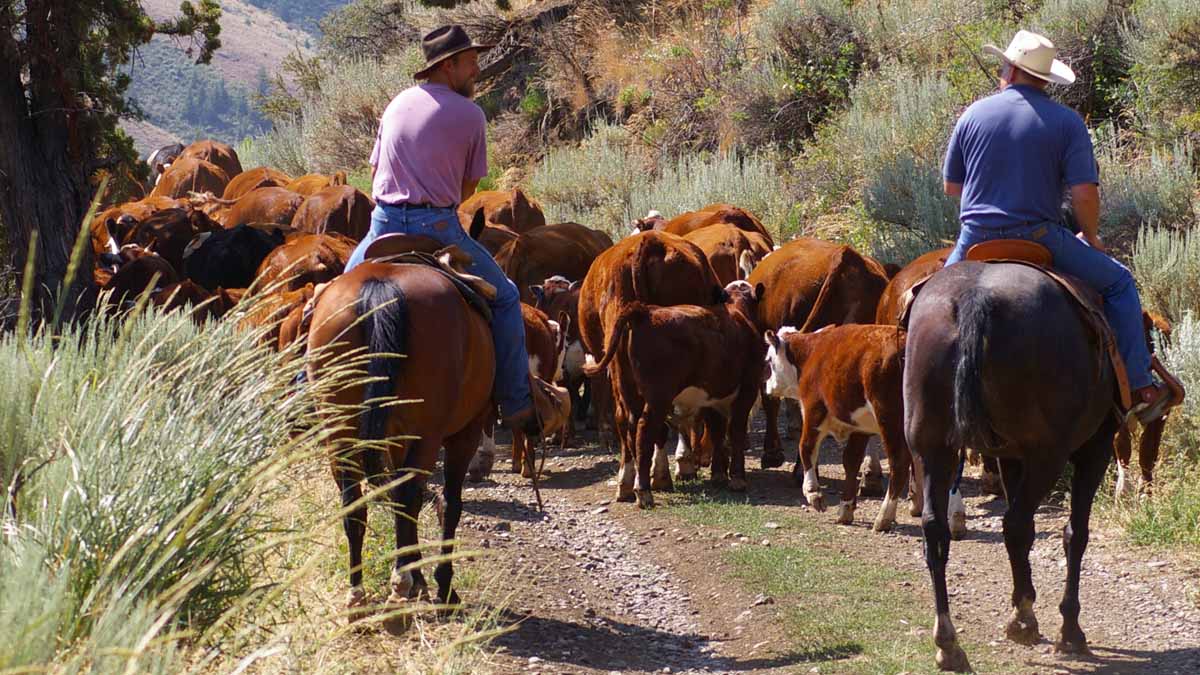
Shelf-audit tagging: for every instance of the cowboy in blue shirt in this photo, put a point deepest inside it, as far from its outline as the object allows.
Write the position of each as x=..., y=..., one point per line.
x=1010, y=157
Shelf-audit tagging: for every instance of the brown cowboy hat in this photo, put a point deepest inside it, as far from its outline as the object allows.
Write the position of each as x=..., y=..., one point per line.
x=442, y=43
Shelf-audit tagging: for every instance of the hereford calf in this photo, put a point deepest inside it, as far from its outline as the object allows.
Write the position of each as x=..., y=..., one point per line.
x=848, y=381
x=685, y=360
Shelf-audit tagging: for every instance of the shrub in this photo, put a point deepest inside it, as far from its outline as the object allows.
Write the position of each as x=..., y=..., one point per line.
x=591, y=183
x=1163, y=43
x=282, y=148
x=1138, y=187
x=1088, y=37
x=1166, y=264
x=142, y=458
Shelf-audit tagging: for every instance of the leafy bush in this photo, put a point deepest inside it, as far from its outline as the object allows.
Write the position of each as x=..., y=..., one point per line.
x=368, y=29
x=1163, y=43
x=1166, y=264
x=1138, y=188
x=138, y=467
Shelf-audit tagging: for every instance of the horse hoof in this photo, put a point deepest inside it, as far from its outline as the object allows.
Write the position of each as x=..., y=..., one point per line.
x=662, y=483
x=737, y=485
x=816, y=500
x=645, y=499
x=356, y=600
x=872, y=486
x=845, y=514
x=953, y=659
x=1072, y=646
x=399, y=614
x=772, y=459
x=1023, y=632
x=958, y=526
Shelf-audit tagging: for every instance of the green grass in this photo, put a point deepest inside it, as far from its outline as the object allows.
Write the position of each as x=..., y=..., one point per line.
x=842, y=614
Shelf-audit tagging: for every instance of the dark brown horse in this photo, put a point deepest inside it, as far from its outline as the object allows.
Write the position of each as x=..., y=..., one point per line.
x=449, y=366
x=999, y=358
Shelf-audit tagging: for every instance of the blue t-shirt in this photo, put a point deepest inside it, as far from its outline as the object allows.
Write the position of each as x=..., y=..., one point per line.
x=1014, y=153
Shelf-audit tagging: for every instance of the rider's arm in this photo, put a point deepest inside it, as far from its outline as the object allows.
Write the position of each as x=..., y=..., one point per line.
x=954, y=168
x=1085, y=203
x=952, y=189
x=468, y=188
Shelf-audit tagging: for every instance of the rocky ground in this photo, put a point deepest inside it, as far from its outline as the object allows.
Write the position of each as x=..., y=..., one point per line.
x=600, y=587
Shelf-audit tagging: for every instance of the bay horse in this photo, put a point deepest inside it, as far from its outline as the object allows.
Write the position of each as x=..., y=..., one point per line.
x=1001, y=359
x=448, y=367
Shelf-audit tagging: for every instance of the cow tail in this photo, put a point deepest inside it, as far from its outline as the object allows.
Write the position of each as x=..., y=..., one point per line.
x=972, y=425
x=616, y=337
x=384, y=312
x=641, y=265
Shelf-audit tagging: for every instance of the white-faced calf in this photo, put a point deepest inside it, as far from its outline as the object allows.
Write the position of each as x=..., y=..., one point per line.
x=848, y=381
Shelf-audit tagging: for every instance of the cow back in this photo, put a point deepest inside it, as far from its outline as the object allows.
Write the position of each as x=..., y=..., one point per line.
x=274, y=205
x=217, y=153
x=340, y=209
x=191, y=174
x=512, y=209
x=230, y=258
x=566, y=249
x=811, y=274
x=686, y=223
x=724, y=245
x=305, y=259
x=888, y=311
x=258, y=177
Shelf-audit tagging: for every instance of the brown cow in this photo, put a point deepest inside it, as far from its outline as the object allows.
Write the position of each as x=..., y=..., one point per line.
x=205, y=305
x=653, y=268
x=813, y=283
x=563, y=305
x=848, y=381
x=690, y=221
x=274, y=205
x=565, y=249
x=140, y=272
x=312, y=183
x=683, y=360
x=271, y=311
x=108, y=229
x=218, y=153
x=190, y=174
x=512, y=209
x=494, y=238
x=733, y=252
x=307, y=259
x=340, y=209
x=252, y=179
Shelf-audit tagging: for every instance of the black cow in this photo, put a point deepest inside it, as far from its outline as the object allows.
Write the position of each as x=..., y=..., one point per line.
x=230, y=258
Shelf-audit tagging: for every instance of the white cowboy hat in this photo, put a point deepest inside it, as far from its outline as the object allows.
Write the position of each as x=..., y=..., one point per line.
x=1034, y=54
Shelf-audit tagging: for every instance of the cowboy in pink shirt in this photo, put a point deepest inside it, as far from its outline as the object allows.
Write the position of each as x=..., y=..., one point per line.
x=429, y=156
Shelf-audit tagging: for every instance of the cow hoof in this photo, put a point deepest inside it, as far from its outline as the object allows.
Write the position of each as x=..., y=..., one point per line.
x=816, y=500
x=516, y=467
x=915, y=510
x=399, y=614
x=662, y=483
x=526, y=472
x=845, y=514
x=626, y=497
x=685, y=470
x=481, y=467
x=645, y=499
x=953, y=660
x=737, y=485
x=1023, y=631
x=883, y=524
x=958, y=526
x=772, y=459
x=872, y=486
x=681, y=476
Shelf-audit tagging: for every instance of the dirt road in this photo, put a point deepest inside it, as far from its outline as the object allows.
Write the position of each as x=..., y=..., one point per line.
x=714, y=583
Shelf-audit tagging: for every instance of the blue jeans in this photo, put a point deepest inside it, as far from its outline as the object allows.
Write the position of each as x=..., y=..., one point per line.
x=508, y=328
x=1109, y=278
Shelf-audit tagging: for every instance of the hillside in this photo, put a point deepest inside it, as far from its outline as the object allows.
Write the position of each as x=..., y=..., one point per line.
x=183, y=100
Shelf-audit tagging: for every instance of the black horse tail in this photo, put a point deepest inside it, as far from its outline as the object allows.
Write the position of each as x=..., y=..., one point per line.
x=972, y=426
x=384, y=311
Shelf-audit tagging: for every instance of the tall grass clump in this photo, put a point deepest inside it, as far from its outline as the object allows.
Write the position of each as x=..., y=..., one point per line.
x=139, y=464
x=1166, y=264
x=592, y=183
x=279, y=148
x=1143, y=187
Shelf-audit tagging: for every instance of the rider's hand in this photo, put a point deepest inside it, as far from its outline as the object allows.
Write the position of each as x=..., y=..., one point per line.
x=1094, y=241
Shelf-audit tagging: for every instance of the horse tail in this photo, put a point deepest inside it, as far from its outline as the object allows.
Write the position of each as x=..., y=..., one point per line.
x=384, y=311
x=972, y=425
x=616, y=337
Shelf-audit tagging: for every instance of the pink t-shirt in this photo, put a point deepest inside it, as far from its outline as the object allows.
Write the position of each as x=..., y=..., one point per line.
x=431, y=139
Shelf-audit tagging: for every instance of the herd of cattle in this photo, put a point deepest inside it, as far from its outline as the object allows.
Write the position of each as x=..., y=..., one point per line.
x=678, y=310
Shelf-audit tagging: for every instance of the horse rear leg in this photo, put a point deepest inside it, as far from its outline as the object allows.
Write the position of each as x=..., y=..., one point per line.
x=407, y=581
x=852, y=459
x=1091, y=462
x=458, y=454
x=940, y=467
x=354, y=522
x=1025, y=490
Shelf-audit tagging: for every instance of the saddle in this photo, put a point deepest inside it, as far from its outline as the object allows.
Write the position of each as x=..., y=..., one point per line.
x=403, y=249
x=1037, y=256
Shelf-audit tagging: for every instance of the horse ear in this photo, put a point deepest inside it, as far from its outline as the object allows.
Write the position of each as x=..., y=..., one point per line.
x=478, y=222
x=539, y=294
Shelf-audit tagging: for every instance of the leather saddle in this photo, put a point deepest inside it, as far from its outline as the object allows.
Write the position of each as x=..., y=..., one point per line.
x=403, y=249
x=1091, y=305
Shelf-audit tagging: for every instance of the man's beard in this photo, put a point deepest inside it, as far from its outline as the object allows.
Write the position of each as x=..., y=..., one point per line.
x=466, y=89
